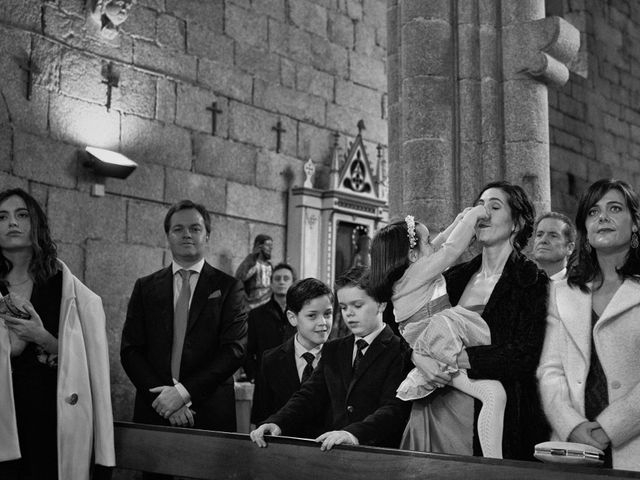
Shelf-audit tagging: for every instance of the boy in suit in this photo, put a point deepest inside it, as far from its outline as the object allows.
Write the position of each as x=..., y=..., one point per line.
x=356, y=380
x=309, y=309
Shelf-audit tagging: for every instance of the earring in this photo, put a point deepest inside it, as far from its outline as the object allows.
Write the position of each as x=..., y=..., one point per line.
x=634, y=240
x=587, y=246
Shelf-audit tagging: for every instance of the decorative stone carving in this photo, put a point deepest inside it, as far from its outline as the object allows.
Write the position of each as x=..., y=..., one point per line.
x=309, y=171
x=562, y=42
x=109, y=14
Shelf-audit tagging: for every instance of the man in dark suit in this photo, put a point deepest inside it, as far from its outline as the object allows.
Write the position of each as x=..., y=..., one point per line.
x=356, y=379
x=268, y=324
x=309, y=305
x=185, y=333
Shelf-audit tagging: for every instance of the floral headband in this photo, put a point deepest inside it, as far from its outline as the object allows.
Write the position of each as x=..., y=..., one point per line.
x=411, y=230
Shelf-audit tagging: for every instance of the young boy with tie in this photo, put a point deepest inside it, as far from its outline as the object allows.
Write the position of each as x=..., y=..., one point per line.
x=355, y=382
x=309, y=309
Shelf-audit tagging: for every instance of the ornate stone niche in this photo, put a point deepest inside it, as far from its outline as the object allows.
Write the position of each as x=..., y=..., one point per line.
x=330, y=230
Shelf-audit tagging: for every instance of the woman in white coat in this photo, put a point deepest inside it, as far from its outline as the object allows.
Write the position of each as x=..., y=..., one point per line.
x=589, y=372
x=54, y=366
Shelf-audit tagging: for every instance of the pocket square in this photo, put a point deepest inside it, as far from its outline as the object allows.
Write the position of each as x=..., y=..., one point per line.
x=215, y=294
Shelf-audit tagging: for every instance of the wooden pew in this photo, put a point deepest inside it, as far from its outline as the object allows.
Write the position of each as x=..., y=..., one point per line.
x=215, y=455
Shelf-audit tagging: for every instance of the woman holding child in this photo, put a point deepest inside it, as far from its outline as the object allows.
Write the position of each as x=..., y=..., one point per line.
x=589, y=371
x=510, y=293
x=54, y=364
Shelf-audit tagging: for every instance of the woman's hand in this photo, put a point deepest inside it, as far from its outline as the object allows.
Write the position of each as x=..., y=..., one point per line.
x=31, y=330
x=17, y=345
x=590, y=433
x=431, y=369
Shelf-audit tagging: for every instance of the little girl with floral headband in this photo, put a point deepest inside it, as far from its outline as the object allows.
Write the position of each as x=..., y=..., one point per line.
x=406, y=268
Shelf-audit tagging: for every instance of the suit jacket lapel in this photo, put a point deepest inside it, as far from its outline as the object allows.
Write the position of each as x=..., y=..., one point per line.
x=164, y=299
x=574, y=308
x=376, y=348
x=345, y=359
x=290, y=373
x=200, y=295
x=627, y=296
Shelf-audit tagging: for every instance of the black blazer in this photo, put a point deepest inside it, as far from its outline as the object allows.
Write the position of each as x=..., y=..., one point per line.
x=214, y=345
x=268, y=328
x=277, y=381
x=365, y=404
x=516, y=314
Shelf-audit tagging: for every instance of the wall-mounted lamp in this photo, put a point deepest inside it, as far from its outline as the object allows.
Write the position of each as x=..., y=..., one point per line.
x=106, y=163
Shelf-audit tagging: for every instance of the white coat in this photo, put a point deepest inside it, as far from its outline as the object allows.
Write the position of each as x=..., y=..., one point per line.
x=85, y=419
x=566, y=356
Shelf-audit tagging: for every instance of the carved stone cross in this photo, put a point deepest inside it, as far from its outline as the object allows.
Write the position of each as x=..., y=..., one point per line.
x=279, y=130
x=111, y=81
x=214, y=116
x=27, y=65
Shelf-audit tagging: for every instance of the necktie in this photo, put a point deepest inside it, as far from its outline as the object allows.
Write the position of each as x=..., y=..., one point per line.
x=180, y=317
x=361, y=344
x=308, y=369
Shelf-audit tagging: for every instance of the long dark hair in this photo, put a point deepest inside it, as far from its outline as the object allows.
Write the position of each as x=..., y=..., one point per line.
x=583, y=264
x=523, y=213
x=44, y=262
x=389, y=258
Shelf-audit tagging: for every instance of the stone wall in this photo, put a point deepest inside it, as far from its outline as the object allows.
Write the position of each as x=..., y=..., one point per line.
x=317, y=66
x=595, y=120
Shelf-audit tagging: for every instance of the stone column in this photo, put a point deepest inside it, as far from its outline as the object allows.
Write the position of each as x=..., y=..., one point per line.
x=468, y=100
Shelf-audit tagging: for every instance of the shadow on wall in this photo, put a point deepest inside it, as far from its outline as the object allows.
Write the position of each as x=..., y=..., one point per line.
x=225, y=262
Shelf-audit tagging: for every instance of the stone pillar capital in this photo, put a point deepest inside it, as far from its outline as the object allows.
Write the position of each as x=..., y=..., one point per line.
x=543, y=48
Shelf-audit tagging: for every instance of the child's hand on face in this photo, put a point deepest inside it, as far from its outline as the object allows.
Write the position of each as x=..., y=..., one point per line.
x=462, y=214
x=479, y=212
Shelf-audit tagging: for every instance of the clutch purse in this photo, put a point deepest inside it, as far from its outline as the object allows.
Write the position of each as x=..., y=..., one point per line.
x=569, y=453
x=8, y=306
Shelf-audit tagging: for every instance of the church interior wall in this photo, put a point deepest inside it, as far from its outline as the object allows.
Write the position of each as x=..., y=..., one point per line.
x=318, y=67
x=594, y=120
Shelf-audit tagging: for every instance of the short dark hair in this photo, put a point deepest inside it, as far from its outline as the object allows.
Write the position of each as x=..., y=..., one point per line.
x=523, y=213
x=569, y=229
x=303, y=291
x=286, y=266
x=44, y=261
x=260, y=239
x=389, y=258
x=583, y=264
x=358, y=276
x=187, y=205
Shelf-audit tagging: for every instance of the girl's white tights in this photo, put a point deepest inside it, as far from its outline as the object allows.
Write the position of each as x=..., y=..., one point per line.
x=490, y=421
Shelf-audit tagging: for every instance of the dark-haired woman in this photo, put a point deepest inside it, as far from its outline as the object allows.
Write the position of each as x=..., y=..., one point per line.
x=60, y=410
x=590, y=369
x=512, y=293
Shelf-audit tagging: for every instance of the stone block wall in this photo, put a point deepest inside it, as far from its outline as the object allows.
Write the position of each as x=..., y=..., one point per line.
x=318, y=66
x=594, y=121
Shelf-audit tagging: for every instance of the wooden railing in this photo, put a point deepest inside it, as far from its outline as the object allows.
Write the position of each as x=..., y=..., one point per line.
x=204, y=454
